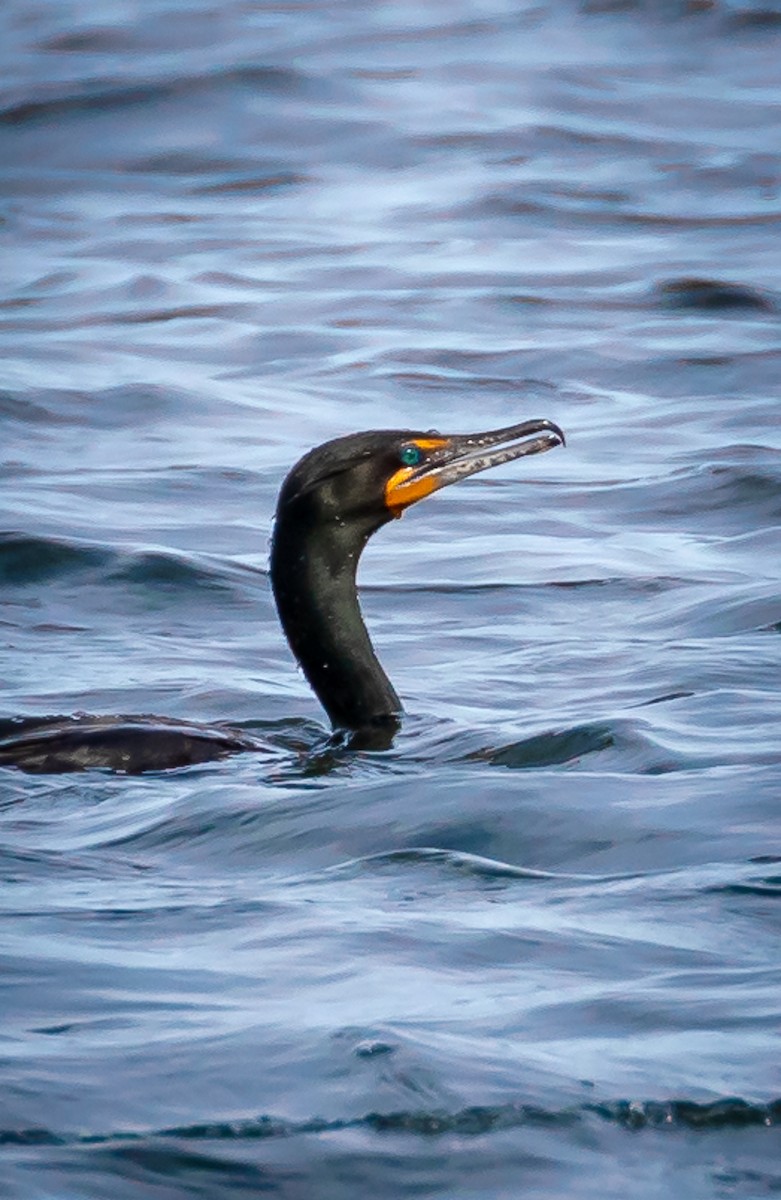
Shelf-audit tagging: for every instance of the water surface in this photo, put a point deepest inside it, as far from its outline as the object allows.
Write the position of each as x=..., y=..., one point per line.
x=534, y=948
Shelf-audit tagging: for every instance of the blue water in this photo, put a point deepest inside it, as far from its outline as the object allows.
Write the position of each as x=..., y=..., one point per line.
x=533, y=949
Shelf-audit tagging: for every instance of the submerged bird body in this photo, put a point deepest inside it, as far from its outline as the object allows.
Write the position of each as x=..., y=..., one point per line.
x=330, y=504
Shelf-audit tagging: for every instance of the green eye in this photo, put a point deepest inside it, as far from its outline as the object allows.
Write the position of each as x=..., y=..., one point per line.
x=411, y=456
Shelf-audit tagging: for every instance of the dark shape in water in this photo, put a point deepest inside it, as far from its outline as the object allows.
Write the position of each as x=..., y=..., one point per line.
x=331, y=503
x=713, y=295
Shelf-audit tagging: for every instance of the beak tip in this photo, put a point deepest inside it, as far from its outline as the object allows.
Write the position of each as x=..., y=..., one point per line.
x=558, y=431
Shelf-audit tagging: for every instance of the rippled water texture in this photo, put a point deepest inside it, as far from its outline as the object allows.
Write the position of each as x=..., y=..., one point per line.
x=533, y=949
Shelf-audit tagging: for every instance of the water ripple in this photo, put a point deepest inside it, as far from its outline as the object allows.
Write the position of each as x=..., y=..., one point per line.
x=474, y=1121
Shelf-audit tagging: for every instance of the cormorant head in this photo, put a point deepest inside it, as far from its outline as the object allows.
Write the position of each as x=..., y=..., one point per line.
x=361, y=481
x=330, y=504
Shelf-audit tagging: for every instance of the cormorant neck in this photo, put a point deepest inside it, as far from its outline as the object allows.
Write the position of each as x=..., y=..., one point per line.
x=313, y=575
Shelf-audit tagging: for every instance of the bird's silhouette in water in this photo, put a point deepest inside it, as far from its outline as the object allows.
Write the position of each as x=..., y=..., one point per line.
x=330, y=504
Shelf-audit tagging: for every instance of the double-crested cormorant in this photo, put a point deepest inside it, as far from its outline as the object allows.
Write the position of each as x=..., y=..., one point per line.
x=330, y=504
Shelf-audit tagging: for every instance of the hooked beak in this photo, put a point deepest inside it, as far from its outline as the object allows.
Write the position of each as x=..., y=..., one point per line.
x=448, y=459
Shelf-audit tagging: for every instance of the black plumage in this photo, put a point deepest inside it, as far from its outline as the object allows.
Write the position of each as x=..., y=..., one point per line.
x=330, y=504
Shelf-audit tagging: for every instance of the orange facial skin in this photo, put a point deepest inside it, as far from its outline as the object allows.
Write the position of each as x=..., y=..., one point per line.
x=402, y=489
